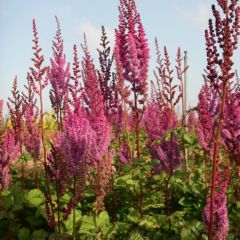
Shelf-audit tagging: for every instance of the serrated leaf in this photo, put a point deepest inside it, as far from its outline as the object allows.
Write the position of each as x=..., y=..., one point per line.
x=24, y=234
x=35, y=197
x=102, y=218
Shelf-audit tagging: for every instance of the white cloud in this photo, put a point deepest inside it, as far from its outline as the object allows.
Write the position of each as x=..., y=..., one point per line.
x=197, y=17
x=93, y=34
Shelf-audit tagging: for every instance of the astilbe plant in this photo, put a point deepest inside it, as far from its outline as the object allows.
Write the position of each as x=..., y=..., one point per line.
x=221, y=222
x=78, y=142
x=157, y=125
x=100, y=124
x=59, y=76
x=231, y=129
x=221, y=41
x=38, y=77
x=161, y=115
x=107, y=78
x=72, y=153
x=207, y=110
x=9, y=153
x=192, y=121
x=75, y=86
x=132, y=58
x=31, y=138
x=94, y=105
x=61, y=177
x=16, y=112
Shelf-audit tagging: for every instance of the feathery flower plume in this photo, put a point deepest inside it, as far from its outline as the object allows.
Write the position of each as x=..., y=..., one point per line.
x=31, y=139
x=38, y=77
x=206, y=114
x=59, y=76
x=59, y=174
x=221, y=42
x=107, y=79
x=16, y=112
x=157, y=124
x=99, y=123
x=75, y=87
x=192, y=122
x=78, y=143
x=231, y=129
x=220, y=211
x=132, y=57
x=9, y=153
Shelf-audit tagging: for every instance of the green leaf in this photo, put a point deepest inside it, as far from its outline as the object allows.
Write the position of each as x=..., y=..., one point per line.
x=87, y=226
x=136, y=235
x=5, y=193
x=34, y=221
x=127, y=168
x=187, y=138
x=154, y=206
x=102, y=218
x=35, y=198
x=18, y=197
x=24, y=234
x=40, y=234
x=186, y=234
x=69, y=222
x=3, y=215
x=134, y=216
x=149, y=222
x=6, y=202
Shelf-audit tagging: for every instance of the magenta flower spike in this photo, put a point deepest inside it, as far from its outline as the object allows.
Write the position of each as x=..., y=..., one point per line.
x=10, y=152
x=59, y=76
x=157, y=124
x=220, y=211
x=31, y=138
x=132, y=60
x=75, y=87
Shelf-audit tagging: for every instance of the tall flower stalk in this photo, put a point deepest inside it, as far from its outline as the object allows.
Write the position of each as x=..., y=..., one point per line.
x=32, y=138
x=38, y=77
x=16, y=112
x=59, y=76
x=106, y=77
x=78, y=143
x=221, y=41
x=132, y=57
x=75, y=86
x=94, y=101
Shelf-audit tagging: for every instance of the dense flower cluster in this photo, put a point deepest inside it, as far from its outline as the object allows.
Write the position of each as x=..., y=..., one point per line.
x=10, y=151
x=59, y=77
x=105, y=120
x=157, y=125
x=221, y=222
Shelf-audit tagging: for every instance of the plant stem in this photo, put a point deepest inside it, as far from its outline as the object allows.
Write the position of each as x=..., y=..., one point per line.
x=36, y=173
x=215, y=154
x=45, y=150
x=74, y=213
x=141, y=198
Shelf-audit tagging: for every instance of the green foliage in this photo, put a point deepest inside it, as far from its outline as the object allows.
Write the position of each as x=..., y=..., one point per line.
x=171, y=206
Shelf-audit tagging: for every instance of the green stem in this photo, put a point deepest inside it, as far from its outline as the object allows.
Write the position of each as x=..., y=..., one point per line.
x=74, y=208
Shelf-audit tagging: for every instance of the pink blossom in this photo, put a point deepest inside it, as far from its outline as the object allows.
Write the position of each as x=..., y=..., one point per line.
x=9, y=154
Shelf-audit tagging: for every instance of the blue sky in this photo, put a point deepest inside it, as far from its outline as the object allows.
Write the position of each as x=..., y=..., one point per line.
x=175, y=23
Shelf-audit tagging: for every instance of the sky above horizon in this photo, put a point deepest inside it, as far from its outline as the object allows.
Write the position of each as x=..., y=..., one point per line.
x=175, y=23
